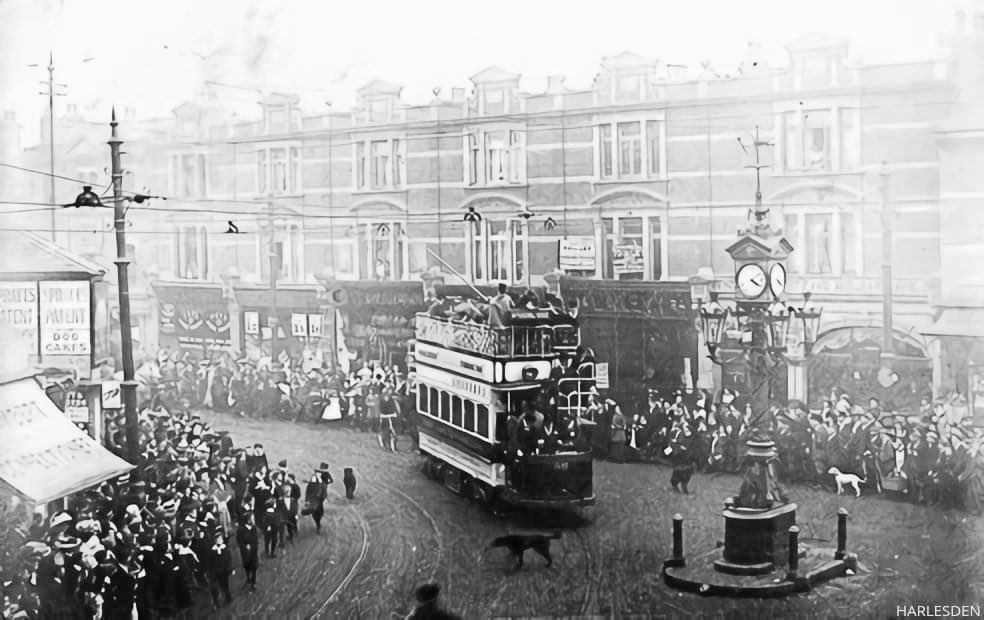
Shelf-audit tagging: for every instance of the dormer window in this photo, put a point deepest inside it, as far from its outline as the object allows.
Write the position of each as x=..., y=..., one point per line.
x=495, y=101
x=379, y=111
x=496, y=89
x=628, y=88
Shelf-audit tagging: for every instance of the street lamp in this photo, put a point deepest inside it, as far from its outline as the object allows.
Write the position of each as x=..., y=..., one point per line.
x=712, y=319
x=809, y=314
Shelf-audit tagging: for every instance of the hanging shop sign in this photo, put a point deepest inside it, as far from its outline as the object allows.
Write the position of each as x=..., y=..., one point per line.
x=577, y=254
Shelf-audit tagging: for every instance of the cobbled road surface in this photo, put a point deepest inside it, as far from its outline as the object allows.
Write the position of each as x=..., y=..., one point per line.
x=403, y=530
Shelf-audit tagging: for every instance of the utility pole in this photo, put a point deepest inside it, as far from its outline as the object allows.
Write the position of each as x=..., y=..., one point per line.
x=51, y=137
x=51, y=134
x=887, y=215
x=123, y=286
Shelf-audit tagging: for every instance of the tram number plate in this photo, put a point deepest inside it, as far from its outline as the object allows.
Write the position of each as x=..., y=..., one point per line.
x=561, y=466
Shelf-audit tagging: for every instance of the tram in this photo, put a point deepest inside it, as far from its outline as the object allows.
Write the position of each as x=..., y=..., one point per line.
x=475, y=382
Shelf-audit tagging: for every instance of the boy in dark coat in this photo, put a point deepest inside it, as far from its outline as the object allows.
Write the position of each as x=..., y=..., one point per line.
x=248, y=539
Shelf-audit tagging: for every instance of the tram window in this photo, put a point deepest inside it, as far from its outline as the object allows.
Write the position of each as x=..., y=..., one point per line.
x=445, y=406
x=456, y=411
x=422, y=402
x=432, y=401
x=469, y=416
x=482, y=421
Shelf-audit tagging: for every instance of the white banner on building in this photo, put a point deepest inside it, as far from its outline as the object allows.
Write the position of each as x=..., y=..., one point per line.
x=19, y=311
x=577, y=254
x=64, y=310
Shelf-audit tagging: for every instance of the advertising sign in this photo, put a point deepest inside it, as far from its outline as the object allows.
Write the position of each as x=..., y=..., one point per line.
x=298, y=325
x=77, y=407
x=627, y=258
x=19, y=310
x=251, y=322
x=315, y=325
x=601, y=375
x=577, y=254
x=64, y=311
x=112, y=397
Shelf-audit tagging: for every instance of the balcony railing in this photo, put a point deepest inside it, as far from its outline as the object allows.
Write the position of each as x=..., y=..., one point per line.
x=506, y=342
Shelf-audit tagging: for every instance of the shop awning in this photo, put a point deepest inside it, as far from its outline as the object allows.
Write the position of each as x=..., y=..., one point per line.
x=43, y=456
x=958, y=322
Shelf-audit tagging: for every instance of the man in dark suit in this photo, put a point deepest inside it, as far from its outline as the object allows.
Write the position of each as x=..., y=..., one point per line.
x=218, y=566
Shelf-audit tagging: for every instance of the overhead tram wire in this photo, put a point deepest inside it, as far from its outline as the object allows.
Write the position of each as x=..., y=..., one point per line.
x=697, y=123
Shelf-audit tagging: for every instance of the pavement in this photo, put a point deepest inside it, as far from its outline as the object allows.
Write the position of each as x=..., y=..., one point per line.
x=403, y=530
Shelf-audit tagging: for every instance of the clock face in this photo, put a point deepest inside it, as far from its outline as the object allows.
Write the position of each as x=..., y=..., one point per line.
x=751, y=281
x=777, y=279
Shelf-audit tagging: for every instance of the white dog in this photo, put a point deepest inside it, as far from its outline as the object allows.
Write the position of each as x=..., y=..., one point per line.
x=844, y=480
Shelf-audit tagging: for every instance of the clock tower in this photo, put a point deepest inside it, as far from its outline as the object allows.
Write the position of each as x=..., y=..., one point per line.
x=760, y=262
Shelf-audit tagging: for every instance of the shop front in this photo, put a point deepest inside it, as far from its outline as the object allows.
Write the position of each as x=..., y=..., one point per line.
x=852, y=361
x=643, y=330
x=377, y=318
x=54, y=303
x=193, y=318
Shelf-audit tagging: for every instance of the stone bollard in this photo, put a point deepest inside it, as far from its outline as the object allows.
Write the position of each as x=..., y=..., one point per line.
x=678, y=538
x=793, y=572
x=841, y=552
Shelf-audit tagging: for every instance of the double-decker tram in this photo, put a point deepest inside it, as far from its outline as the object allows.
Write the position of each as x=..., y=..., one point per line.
x=498, y=407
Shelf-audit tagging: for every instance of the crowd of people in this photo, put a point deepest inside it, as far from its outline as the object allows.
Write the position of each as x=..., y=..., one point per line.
x=926, y=455
x=146, y=544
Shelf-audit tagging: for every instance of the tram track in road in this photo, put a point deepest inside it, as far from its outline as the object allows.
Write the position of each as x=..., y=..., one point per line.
x=375, y=515
x=363, y=552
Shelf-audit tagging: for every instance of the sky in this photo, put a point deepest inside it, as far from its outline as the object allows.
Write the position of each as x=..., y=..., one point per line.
x=151, y=55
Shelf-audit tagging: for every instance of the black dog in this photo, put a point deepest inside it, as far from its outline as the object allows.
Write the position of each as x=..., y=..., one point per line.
x=681, y=477
x=519, y=543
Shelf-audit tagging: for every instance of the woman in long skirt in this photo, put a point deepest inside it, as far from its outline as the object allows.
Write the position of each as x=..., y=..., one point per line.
x=616, y=445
